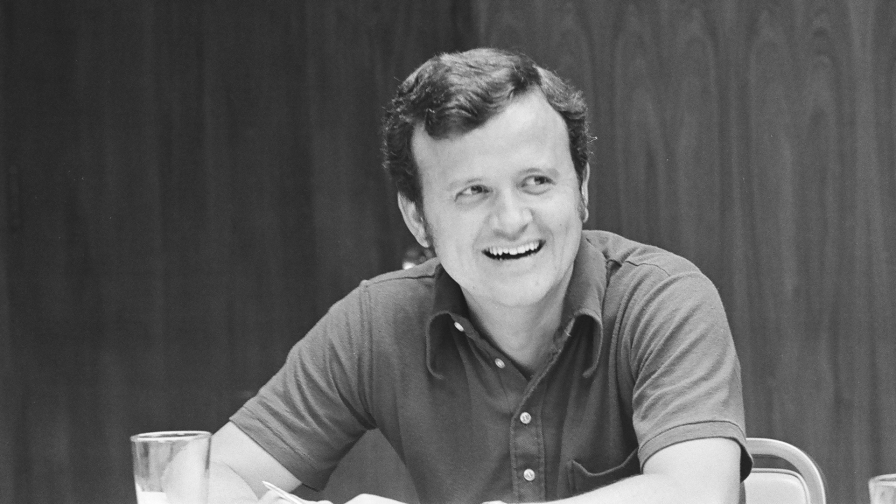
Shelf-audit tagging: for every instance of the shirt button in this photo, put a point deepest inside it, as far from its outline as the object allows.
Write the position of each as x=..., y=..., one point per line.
x=458, y=326
x=529, y=475
x=499, y=363
x=525, y=418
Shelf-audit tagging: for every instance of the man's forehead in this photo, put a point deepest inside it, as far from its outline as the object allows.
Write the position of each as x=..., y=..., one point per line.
x=428, y=150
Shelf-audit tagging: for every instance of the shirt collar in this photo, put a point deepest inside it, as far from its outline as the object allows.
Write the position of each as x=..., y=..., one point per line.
x=448, y=306
x=585, y=294
x=584, y=297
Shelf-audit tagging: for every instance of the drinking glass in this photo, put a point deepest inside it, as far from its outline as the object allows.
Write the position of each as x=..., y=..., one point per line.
x=883, y=489
x=171, y=467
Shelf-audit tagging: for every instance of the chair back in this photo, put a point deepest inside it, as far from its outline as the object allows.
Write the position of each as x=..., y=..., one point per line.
x=768, y=485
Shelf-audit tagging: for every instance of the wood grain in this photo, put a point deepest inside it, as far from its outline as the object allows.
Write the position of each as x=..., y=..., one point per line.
x=10, y=385
x=875, y=233
x=693, y=222
x=199, y=183
x=757, y=140
x=187, y=187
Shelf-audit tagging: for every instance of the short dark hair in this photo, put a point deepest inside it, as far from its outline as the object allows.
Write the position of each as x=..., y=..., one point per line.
x=455, y=93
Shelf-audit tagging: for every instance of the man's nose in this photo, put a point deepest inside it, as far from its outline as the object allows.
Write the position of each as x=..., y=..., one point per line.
x=510, y=214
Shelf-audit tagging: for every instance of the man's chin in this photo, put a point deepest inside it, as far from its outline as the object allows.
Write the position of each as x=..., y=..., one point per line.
x=524, y=287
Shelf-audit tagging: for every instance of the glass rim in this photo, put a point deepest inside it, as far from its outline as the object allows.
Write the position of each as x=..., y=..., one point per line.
x=169, y=436
x=888, y=480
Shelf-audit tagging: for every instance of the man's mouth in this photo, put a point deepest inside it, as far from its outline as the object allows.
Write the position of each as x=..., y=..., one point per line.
x=518, y=252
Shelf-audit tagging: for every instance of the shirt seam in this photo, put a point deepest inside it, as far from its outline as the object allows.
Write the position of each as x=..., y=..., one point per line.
x=367, y=329
x=693, y=271
x=655, y=439
x=400, y=276
x=286, y=443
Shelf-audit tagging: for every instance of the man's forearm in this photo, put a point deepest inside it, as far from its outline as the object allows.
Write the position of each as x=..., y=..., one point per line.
x=227, y=487
x=655, y=489
x=700, y=471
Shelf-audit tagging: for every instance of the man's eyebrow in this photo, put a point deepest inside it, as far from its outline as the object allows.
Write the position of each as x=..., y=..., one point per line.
x=548, y=169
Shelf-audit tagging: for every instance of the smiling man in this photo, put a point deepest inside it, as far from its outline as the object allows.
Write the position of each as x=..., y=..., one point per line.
x=530, y=360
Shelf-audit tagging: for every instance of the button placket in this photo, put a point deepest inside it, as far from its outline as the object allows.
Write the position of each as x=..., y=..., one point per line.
x=529, y=454
x=528, y=450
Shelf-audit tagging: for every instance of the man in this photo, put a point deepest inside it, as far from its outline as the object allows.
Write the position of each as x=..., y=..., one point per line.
x=531, y=360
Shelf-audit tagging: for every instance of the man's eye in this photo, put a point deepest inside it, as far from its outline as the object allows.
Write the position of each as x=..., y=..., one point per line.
x=537, y=181
x=472, y=190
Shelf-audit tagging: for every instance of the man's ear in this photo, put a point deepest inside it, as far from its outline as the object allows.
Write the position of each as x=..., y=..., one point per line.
x=414, y=220
x=583, y=188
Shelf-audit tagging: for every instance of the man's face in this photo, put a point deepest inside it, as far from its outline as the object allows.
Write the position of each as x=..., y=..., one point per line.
x=501, y=205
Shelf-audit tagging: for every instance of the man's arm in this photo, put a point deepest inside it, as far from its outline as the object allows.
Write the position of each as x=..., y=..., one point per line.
x=239, y=465
x=702, y=471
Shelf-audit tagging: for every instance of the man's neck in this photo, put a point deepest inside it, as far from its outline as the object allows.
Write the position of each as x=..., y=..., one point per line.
x=524, y=334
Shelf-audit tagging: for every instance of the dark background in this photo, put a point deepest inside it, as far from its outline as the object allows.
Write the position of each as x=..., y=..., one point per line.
x=187, y=186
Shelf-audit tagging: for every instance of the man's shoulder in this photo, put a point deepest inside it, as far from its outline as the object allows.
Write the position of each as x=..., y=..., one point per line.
x=422, y=274
x=387, y=309
x=622, y=253
x=406, y=288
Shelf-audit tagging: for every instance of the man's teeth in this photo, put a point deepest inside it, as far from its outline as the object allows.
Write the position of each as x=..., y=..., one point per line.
x=508, y=252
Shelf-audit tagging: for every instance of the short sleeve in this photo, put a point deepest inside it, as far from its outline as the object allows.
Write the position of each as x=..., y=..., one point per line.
x=686, y=373
x=315, y=408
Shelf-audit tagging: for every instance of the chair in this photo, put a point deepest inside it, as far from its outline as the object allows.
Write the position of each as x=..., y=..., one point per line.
x=768, y=485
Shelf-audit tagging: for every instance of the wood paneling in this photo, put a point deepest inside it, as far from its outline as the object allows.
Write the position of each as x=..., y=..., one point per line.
x=875, y=313
x=756, y=139
x=10, y=388
x=197, y=183
x=798, y=164
x=188, y=186
x=357, y=54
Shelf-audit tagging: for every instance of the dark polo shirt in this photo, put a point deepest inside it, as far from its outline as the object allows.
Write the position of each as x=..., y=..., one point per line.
x=643, y=359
